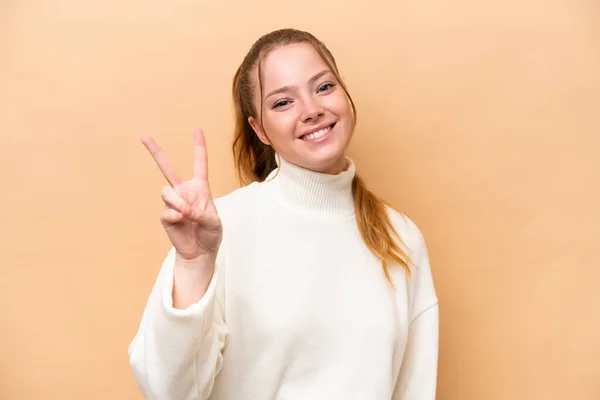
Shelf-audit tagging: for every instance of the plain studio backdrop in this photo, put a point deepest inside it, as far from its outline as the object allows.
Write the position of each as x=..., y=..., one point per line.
x=478, y=119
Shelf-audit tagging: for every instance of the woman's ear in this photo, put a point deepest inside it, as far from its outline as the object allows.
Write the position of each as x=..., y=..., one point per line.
x=259, y=131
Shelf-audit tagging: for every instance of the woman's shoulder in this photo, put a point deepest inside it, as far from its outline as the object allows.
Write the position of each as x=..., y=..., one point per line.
x=422, y=290
x=407, y=229
x=236, y=197
x=240, y=202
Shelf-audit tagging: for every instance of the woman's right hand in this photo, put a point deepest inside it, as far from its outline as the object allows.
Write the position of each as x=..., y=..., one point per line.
x=190, y=217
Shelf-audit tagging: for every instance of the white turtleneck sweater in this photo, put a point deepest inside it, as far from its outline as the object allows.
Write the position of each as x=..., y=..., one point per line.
x=298, y=307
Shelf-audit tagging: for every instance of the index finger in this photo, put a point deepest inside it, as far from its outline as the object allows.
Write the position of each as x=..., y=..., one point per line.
x=200, y=156
x=167, y=169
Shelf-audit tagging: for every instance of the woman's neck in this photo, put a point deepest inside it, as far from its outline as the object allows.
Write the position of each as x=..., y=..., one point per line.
x=326, y=194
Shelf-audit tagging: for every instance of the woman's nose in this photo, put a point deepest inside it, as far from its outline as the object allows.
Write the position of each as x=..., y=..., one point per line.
x=312, y=110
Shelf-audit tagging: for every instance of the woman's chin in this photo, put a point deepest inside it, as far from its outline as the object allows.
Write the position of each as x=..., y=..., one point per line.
x=329, y=162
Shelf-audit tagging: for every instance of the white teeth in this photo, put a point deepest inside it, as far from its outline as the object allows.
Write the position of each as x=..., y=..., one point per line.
x=316, y=135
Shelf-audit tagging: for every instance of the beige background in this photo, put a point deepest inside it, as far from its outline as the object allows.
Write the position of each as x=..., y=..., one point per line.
x=479, y=119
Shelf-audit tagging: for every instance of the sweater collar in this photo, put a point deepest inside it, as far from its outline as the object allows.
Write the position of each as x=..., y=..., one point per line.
x=314, y=192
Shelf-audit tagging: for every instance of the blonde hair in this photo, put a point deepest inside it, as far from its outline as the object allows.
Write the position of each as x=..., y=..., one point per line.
x=254, y=160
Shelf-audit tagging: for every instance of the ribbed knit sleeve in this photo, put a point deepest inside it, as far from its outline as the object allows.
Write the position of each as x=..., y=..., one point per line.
x=176, y=354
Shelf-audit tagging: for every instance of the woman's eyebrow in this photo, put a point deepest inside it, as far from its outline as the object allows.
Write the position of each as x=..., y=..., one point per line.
x=286, y=88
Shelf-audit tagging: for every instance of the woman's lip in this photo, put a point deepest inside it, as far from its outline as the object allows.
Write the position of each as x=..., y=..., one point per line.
x=318, y=129
x=322, y=138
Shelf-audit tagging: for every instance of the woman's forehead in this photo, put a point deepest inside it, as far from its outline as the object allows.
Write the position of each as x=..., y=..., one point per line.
x=292, y=64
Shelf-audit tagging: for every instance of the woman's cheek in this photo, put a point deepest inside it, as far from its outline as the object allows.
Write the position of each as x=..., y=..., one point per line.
x=282, y=126
x=288, y=123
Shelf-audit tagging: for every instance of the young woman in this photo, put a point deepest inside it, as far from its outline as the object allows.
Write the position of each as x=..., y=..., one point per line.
x=302, y=284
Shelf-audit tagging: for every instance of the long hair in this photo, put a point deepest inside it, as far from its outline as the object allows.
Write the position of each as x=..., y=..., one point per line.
x=254, y=160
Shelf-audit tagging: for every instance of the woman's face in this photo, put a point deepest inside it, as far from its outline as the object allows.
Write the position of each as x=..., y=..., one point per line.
x=306, y=115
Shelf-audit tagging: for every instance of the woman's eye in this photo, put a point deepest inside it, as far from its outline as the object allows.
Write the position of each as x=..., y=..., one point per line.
x=281, y=103
x=325, y=87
